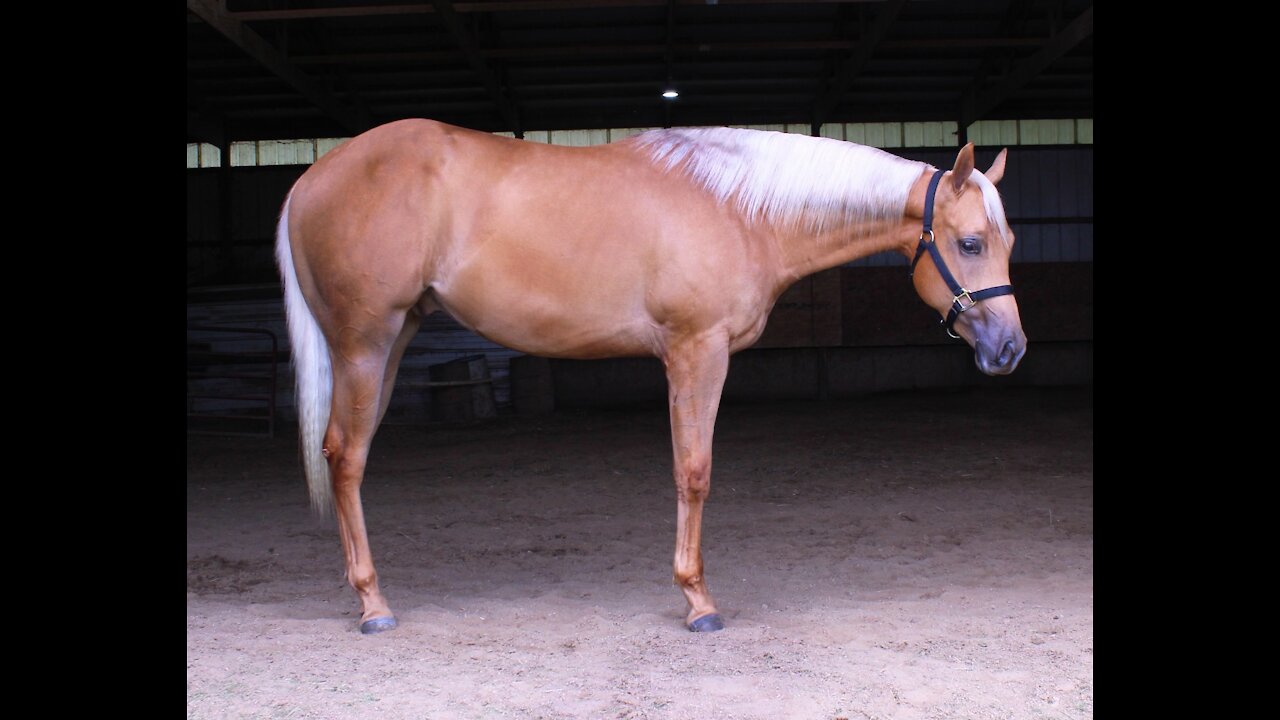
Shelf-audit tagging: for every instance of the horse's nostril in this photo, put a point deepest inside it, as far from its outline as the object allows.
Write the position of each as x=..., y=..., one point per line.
x=1006, y=353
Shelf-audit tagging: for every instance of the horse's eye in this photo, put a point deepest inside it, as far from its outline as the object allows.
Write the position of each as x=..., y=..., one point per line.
x=970, y=246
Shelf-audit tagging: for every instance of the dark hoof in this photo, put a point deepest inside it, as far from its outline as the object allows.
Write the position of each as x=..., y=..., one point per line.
x=707, y=623
x=377, y=625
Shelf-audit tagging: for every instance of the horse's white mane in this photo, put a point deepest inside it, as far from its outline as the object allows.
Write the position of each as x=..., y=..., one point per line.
x=790, y=179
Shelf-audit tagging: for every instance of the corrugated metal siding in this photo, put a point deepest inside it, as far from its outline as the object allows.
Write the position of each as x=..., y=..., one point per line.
x=1032, y=132
x=579, y=138
x=256, y=197
x=773, y=128
x=1084, y=130
x=621, y=133
x=1029, y=132
x=202, y=207
x=244, y=154
x=324, y=145
x=203, y=155
x=880, y=134
x=203, y=224
x=286, y=152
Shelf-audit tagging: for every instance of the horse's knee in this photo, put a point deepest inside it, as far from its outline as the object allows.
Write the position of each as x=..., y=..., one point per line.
x=693, y=478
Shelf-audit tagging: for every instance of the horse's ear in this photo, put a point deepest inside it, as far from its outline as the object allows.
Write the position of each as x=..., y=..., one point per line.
x=964, y=167
x=997, y=168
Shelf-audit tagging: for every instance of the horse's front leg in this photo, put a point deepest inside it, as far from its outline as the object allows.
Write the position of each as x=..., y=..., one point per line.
x=695, y=376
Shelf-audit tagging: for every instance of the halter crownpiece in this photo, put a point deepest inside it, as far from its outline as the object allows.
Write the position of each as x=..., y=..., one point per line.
x=963, y=299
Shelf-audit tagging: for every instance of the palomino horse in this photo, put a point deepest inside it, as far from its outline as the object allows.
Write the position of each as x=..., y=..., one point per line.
x=673, y=243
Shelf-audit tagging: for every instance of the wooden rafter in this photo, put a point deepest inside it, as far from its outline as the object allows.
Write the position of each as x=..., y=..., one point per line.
x=449, y=17
x=976, y=102
x=641, y=50
x=478, y=7
x=314, y=90
x=856, y=61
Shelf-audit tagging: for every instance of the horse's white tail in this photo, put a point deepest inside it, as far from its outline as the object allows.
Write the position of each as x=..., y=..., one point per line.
x=313, y=375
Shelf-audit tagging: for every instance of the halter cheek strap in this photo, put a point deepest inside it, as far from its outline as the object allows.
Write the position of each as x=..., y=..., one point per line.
x=963, y=299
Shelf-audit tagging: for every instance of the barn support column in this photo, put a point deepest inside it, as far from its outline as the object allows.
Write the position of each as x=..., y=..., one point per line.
x=227, y=265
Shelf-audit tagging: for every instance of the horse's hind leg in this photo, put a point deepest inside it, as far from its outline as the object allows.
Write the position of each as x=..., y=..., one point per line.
x=360, y=359
x=412, y=322
x=695, y=377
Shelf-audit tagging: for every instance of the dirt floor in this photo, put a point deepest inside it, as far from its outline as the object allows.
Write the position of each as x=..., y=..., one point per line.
x=915, y=555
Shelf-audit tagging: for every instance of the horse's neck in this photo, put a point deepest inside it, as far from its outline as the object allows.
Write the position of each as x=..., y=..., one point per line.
x=804, y=252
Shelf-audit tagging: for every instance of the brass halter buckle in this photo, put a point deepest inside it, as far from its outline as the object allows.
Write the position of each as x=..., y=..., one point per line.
x=961, y=302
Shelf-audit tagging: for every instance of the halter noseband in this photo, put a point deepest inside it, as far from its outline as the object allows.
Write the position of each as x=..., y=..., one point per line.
x=963, y=299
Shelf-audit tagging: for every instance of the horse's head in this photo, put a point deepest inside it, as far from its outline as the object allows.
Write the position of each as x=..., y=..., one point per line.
x=965, y=274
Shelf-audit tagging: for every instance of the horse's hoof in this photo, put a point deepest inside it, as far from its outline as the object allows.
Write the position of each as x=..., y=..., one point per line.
x=377, y=625
x=707, y=623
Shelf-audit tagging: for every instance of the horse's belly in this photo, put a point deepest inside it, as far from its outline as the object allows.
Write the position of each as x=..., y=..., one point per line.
x=537, y=322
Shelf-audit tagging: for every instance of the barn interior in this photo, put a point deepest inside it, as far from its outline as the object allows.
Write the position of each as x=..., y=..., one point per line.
x=273, y=85
x=890, y=533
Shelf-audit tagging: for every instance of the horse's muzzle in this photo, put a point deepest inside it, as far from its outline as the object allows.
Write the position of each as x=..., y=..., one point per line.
x=1002, y=356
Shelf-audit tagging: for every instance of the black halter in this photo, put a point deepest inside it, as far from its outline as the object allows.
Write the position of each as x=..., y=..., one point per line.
x=963, y=299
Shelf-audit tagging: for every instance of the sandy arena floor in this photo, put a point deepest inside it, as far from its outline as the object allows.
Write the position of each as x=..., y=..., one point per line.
x=918, y=555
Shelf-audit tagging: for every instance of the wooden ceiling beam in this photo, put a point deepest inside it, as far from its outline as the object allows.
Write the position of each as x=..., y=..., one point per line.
x=857, y=60
x=314, y=90
x=639, y=50
x=977, y=103
x=466, y=43
x=476, y=7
